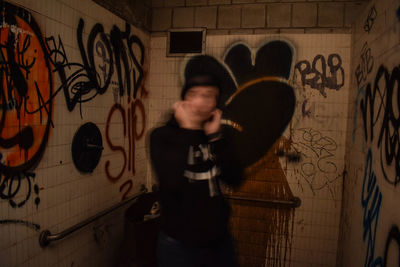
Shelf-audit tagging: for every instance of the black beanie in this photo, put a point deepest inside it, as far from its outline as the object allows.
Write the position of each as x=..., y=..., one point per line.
x=199, y=80
x=206, y=70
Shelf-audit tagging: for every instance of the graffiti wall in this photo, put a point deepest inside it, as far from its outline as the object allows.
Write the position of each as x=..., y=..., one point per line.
x=73, y=116
x=286, y=113
x=370, y=220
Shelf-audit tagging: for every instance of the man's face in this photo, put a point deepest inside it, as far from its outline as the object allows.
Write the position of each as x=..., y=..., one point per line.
x=203, y=100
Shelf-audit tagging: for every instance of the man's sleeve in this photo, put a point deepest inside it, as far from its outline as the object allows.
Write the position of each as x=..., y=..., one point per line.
x=231, y=168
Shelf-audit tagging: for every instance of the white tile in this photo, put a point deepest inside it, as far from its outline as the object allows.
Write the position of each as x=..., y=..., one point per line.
x=9, y=256
x=22, y=251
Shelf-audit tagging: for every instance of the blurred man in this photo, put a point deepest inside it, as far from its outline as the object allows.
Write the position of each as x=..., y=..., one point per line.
x=190, y=158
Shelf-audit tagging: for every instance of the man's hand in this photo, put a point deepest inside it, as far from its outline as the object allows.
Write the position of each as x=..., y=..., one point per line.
x=185, y=116
x=213, y=125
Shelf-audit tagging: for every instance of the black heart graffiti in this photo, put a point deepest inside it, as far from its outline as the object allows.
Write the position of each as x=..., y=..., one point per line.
x=264, y=103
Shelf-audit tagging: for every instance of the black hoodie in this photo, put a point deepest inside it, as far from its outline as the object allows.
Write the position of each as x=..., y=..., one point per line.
x=189, y=169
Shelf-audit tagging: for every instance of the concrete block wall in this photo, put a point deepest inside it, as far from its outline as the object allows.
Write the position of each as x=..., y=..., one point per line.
x=136, y=12
x=47, y=191
x=319, y=124
x=370, y=216
x=231, y=16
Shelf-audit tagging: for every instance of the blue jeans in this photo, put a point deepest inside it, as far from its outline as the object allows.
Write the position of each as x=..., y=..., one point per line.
x=172, y=253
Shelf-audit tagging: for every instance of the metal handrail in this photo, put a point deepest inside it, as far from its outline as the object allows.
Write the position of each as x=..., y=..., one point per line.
x=46, y=237
x=293, y=203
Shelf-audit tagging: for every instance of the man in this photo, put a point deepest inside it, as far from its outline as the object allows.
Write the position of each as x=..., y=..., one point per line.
x=190, y=158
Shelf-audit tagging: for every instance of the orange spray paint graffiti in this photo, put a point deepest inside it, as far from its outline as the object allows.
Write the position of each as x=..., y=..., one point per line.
x=26, y=89
x=25, y=99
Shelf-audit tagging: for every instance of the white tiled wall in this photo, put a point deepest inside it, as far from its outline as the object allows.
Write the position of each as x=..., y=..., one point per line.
x=365, y=229
x=66, y=195
x=316, y=222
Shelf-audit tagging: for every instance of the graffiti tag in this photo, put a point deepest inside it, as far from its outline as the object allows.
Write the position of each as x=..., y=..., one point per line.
x=321, y=74
x=365, y=66
x=380, y=111
x=371, y=201
x=370, y=19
